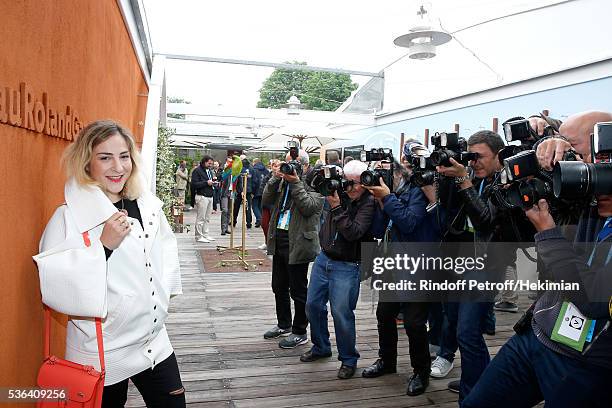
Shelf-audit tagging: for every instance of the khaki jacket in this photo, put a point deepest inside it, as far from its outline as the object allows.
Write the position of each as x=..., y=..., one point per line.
x=306, y=209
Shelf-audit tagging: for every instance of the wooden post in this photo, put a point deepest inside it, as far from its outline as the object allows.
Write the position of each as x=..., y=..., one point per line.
x=495, y=124
x=401, y=150
x=457, y=128
x=426, y=138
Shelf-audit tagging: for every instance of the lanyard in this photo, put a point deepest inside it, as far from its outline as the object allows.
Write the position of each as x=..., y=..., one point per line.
x=605, y=231
x=481, y=186
x=603, y=234
x=285, y=200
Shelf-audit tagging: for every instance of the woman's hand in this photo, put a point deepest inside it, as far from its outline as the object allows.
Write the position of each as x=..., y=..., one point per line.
x=116, y=228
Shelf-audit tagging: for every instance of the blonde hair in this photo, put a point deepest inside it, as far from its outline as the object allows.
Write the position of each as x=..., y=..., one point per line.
x=77, y=156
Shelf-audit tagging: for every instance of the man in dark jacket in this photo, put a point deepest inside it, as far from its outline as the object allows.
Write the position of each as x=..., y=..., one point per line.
x=293, y=242
x=563, y=353
x=401, y=218
x=467, y=319
x=259, y=173
x=202, y=180
x=335, y=273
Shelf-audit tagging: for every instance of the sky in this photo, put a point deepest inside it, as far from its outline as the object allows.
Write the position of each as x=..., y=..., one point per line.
x=356, y=35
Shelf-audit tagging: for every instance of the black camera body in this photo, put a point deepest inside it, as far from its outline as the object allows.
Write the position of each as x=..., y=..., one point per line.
x=450, y=146
x=380, y=154
x=371, y=177
x=423, y=170
x=578, y=179
x=294, y=165
x=326, y=180
x=522, y=182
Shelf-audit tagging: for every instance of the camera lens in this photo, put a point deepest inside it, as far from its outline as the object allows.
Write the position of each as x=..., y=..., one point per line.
x=576, y=179
x=369, y=178
x=440, y=158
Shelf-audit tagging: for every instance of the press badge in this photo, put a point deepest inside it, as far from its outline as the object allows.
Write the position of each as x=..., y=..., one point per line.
x=571, y=327
x=283, y=220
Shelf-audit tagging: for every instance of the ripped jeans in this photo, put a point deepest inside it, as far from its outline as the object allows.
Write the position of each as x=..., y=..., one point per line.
x=160, y=387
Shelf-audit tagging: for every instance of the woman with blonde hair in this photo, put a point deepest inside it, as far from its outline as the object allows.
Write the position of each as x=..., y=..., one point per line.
x=109, y=253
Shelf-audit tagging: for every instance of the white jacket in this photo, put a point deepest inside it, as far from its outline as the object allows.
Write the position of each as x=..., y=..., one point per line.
x=130, y=290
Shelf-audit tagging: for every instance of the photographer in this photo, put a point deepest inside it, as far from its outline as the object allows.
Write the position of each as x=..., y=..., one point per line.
x=572, y=136
x=294, y=243
x=401, y=219
x=490, y=224
x=335, y=274
x=539, y=363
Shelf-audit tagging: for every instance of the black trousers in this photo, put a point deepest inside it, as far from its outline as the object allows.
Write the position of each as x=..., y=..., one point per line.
x=289, y=282
x=249, y=214
x=415, y=319
x=154, y=385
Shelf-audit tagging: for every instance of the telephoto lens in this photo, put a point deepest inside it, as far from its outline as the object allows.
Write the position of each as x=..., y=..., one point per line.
x=572, y=179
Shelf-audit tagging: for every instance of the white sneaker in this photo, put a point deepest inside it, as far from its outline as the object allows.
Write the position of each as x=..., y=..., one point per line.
x=440, y=367
x=208, y=237
x=202, y=240
x=263, y=247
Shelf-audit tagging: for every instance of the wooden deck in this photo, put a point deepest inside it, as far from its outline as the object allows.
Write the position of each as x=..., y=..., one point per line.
x=217, y=326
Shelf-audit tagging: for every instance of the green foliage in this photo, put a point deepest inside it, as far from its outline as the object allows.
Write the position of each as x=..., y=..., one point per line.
x=326, y=91
x=175, y=99
x=165, y=171
x=280, y=85
x=317, y=90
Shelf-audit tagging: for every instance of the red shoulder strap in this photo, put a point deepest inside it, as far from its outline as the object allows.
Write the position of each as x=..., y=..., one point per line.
x=99, y=336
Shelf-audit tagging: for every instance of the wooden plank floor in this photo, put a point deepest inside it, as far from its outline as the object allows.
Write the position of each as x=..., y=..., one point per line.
x=217, y=326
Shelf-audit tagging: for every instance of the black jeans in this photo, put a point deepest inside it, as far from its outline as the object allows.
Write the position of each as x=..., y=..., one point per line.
x=415, y=319
x=154, y=385
x=289, y=282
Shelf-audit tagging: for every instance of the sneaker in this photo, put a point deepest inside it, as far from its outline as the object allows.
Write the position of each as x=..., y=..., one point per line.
x=262, y=247
x=506, y=307
x=440, y=367
x=276, y=332
x=345, y=372
x=433, y=350
x=292, y=341
x=208, y=237
x=453, y=386
x=202, y=239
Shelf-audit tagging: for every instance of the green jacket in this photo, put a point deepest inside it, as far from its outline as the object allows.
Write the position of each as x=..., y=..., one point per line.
x=306, y=209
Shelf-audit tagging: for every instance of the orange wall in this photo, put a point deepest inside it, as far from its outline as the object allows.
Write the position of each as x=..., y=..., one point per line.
x=79, y=52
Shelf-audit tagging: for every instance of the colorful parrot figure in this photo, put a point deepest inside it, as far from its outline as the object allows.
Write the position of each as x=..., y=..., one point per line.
x=233, y=166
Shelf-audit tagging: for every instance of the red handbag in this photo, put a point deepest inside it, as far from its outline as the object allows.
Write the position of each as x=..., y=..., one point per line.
x=83, y=384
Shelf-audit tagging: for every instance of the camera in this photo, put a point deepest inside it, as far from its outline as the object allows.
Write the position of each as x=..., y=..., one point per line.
x=371, y=177
x=326, y=180
x=572, y=179
x=294, y=165
x=380, y=154
x=423, y=170
x=450, y=146
x=522, y=182
x=518, y=129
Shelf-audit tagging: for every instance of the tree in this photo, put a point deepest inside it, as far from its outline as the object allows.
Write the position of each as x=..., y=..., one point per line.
x=280, y=85
x=327, y=91
x=175, y=99
x=317, y=90
x=165, y=171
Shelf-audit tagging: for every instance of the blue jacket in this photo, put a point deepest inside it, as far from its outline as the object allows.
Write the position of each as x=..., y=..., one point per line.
x=407, y=211
x=259, y=173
